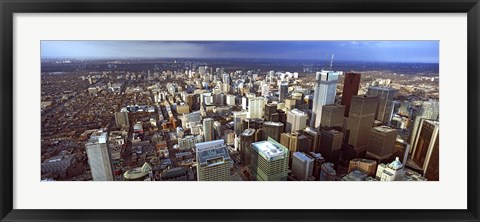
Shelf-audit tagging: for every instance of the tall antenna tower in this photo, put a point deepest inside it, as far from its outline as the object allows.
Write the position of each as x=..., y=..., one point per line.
x=331, y=62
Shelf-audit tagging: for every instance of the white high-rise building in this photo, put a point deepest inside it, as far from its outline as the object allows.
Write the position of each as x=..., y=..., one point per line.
x=231, y=100
x=302, y=165
x=255, y=107
x=265, y=88
x=244, y=103
x=99, y=157
x=296, y=120
x=325, y=90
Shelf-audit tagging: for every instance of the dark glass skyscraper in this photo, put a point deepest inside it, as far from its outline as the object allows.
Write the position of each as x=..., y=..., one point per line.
x=360, y=122
x=350, y=89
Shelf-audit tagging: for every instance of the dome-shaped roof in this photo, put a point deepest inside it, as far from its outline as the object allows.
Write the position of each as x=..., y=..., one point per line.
x=138, y=172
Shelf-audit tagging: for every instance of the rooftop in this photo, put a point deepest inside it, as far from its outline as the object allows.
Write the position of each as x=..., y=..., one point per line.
x=333, y=106
x=210, y=150
x=361, y=160
x=385, y=129
x=269, y=150
x=433, y=122
x=355, y=175
x=59, y=158
x=194, y=117
x=298, y=112
x=302, y=156
x=328, y=167
x=248, y=132
x=316, y=155
x=273, y=123
x=329, y=72
x=333, y=131
x=384, y=88
x=175, y=172
x=98, y=137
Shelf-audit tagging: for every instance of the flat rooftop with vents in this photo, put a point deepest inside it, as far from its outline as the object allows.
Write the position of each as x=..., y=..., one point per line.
x=269, y=150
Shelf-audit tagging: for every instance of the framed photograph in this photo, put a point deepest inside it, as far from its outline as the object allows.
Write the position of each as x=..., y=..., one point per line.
x=229, y=110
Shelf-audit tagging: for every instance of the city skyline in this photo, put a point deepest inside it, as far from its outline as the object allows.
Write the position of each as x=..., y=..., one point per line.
x=240, y=120
x=361, y=51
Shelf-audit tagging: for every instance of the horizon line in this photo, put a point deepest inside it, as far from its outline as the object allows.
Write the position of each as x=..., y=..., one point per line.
x=233, y=58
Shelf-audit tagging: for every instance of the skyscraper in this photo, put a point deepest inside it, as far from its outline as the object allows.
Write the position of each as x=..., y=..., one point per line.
x=381, y=143
x=331, y=144
x=296, y=120
x=314, y=137
x=298, y=142
x=231, y=100
x=255, y=107
x=270, y=109
x=280, y=116
x=121, y=119
x=285, y=139
x=293, y=145
x=269, y=161
x=385, y=105
x=208, y=130
x=246, y=140
x=283, y=91
x=350, y=89
x=325, y=90
x=213, y=161
x=332, y=116
x=248, y=123
x=304, y=144
x=290, y=104
x=218, y=130
x=425, y=152
x=317, y=164
x=360, y=122
x=99, y=157
x=428, y=110
x=265, y=88
x=302, y=166
x=273, y=130
x=238, y=118
x=244, y=103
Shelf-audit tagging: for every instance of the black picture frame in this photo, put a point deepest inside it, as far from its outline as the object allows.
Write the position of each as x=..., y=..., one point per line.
x=9, y=7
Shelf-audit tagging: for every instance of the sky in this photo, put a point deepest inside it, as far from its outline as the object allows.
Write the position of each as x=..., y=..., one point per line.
x=368, y=51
